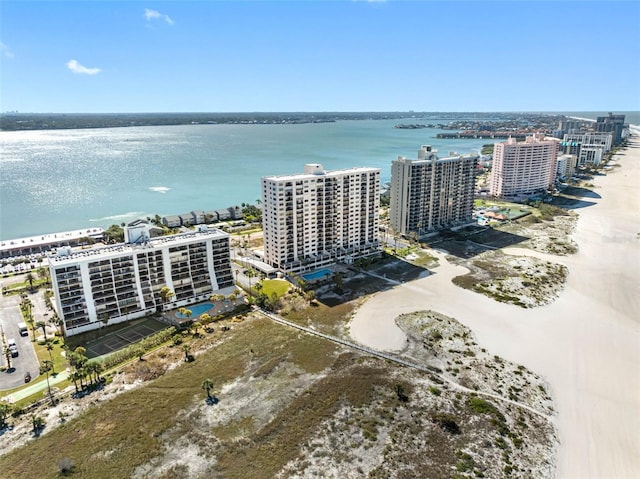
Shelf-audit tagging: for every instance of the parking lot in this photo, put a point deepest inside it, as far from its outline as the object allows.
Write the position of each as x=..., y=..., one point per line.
x=10, y=316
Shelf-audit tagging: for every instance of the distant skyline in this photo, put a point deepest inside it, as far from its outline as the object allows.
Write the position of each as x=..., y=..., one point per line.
x=254, y=56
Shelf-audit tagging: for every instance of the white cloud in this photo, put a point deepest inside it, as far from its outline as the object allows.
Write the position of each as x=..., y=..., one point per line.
x=75, y=67
x=6, y=51
x=156, y=15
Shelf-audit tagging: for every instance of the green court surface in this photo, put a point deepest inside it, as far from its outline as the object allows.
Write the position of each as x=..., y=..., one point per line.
x=122, y=338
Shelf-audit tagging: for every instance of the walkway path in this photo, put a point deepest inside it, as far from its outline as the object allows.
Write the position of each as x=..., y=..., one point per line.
x=400, y=361
x=37, y=387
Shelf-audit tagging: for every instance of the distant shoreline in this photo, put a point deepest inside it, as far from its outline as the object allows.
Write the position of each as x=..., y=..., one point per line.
x=65, y=121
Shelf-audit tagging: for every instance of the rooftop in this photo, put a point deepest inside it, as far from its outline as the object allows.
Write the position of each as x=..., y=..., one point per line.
x=50, y=238
x=119, y=249
x=323, y=174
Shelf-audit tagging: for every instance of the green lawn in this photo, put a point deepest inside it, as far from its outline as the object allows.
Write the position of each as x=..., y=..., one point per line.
x=278, y=286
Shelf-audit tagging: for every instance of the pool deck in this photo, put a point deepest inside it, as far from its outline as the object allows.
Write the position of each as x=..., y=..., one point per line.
x=310, y=277
x=219, y=307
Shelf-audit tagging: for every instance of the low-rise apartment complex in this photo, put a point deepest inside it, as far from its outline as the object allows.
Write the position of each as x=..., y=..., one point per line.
x=320, y=217
x=431, y=193
x=523, y=168
x=112, y=284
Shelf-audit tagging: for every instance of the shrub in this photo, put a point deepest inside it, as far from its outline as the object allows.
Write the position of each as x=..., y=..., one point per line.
x=447, y=422
x=434, y=390
x=65, y=466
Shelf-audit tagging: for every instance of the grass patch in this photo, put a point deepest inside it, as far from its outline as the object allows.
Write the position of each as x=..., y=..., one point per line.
x=278, y=442
x=102, y=445
x=277, y=286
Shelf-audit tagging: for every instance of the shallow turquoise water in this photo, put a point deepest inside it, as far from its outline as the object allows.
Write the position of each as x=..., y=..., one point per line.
x=196, y=310
x=321, y=273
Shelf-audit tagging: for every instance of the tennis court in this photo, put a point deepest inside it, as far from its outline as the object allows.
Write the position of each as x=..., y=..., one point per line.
x=124, y=337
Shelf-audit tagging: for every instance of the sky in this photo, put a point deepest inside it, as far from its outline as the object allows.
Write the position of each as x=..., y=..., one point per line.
x=339, y=55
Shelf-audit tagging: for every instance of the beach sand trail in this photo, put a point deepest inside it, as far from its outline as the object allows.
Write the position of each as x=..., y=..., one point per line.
x=586, y=343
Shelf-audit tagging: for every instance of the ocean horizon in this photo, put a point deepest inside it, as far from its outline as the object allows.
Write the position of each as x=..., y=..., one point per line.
x=59, y=180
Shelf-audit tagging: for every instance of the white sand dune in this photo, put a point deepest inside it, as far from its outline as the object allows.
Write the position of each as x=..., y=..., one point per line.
x=586, y=343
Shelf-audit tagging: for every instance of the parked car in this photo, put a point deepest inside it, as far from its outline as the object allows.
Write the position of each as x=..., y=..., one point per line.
x=13, y=347
x=27, y=377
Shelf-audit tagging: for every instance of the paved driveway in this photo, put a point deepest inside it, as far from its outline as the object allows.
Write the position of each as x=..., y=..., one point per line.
x=10, y=316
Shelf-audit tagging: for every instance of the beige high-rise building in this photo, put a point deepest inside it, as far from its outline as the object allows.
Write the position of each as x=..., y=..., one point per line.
x=431, y=193
x=320, y=217
x=524, y=168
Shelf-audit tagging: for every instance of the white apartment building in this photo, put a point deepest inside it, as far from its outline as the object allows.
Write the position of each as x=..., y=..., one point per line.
x=320, y=217
x=431, y=193
x=112, y=284
x=566, y=166
x=589, y=147
x=524, y=168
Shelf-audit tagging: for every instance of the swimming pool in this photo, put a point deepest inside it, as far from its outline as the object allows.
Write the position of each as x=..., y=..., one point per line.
x=196, y=310
x=319, y=274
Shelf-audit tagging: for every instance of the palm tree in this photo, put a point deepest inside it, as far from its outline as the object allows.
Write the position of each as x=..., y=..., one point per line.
x=7, y=355
x=75, y=376
x=166, y=294
x=45, y=368
x=97, y=369
x=139, y=351
x=49, y=347
x=207, y=385
x=55, y=319
x=43, y=273
x=31, y=278
x=196, y=325
x=310, y=295
x=37, y=422
x=250, y=274
x=205, y=318
x=43, y=326
x=5, y=410
x=32, y=324
x=186, y=348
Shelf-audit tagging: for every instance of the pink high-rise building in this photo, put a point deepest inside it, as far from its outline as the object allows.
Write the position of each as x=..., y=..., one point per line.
x=525, y=168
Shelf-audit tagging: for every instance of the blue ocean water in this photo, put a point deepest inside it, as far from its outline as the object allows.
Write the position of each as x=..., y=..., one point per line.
x=57, y=180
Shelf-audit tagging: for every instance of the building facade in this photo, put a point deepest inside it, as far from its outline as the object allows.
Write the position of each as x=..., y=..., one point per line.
x=566, y=166
x=109, y=285
x=320, y=217
x=523, y=169
x=611, y=123
x=590, y=148
x=431, y=193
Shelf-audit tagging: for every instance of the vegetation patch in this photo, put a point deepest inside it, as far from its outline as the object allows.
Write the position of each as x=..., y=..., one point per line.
x=282, y=403
x=523, y=281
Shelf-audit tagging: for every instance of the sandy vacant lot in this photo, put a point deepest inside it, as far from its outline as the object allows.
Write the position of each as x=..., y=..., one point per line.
x=586, y=343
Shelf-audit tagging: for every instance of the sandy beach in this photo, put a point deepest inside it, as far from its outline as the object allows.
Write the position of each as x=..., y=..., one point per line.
x=586, y=343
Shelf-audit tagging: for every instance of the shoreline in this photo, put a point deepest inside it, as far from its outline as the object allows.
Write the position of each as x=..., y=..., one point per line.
x=586, y=343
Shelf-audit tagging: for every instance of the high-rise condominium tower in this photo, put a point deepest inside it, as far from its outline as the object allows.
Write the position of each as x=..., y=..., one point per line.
x=524, y=168
x=320, y=217
x=431, y=193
